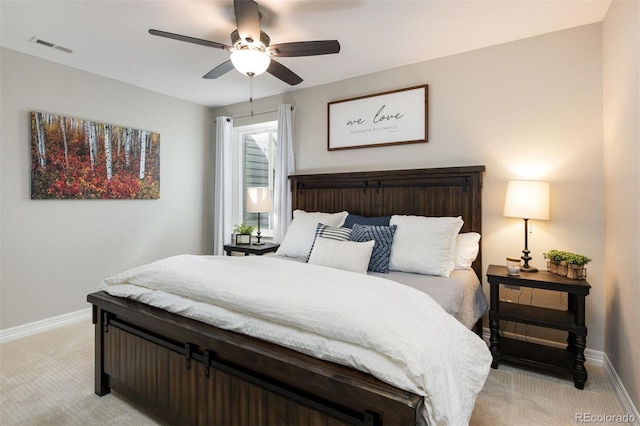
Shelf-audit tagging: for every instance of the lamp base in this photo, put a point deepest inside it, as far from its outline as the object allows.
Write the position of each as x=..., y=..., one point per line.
x=258, y=243
x=525, y=253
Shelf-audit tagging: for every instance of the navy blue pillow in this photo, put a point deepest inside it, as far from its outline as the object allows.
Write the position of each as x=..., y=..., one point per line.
x=352, y=219
x=383, y=237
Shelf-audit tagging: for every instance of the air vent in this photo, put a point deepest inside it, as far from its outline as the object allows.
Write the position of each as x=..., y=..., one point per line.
x=51, y=45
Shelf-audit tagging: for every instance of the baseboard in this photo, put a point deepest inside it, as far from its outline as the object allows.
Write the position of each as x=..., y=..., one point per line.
x=621, y=392
x=25, y=330
x=596, y=357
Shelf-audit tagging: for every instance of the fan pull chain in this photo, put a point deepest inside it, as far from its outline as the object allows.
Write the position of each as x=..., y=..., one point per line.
x=250, y=74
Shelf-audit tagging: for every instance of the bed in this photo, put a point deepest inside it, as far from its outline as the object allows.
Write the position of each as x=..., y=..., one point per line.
x=191, y=372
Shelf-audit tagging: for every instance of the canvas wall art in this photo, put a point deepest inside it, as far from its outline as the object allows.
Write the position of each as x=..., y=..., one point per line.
x=73, y=158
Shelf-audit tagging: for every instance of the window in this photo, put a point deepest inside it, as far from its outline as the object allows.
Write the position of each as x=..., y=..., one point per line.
x=254, y=161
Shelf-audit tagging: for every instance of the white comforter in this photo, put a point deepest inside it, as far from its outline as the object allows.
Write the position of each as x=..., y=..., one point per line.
x=389, y=330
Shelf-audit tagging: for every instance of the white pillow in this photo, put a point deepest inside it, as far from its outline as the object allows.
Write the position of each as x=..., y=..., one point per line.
x=347, y=255
x=424, y=245
x=302, y=231
x=467, y=249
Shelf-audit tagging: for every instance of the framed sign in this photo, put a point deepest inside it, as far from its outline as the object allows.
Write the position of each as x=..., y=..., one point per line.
x=388, y=118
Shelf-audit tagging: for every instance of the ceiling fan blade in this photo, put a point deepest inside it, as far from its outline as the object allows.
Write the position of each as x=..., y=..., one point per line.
x=306, y=48
x=188, y=39
x=221, y=69
x=278, y=70
x=247, y=19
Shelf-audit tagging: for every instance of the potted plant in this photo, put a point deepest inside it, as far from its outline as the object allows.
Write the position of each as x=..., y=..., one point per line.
x=557, y=263
x=243, y=233
x=576, y=270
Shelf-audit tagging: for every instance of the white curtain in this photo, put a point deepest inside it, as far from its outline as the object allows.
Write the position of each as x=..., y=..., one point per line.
x=222, y=187
x=284, y=167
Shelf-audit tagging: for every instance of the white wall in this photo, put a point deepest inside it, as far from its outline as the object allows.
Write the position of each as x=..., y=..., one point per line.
x=530, y=109
x=55, y=252
x=621, y=42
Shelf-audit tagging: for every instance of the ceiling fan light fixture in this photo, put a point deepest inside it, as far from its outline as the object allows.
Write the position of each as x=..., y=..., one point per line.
x=251, y=53
x=250, y=61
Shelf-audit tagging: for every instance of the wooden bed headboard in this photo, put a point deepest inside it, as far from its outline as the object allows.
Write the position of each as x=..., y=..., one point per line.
x=447, y=191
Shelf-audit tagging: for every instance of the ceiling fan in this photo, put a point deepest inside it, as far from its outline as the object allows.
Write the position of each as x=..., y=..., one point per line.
x=251, y=51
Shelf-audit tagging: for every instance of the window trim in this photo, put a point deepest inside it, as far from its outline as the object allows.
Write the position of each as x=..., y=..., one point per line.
x=237, y=179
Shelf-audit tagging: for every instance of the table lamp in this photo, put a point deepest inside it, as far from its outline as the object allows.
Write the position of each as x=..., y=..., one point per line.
x=258, y=201
x=527, y=200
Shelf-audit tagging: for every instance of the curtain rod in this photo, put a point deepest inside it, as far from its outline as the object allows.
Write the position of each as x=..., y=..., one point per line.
x=257, y=113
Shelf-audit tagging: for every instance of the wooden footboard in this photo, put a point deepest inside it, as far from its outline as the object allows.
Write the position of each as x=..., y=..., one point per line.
x=193, y=373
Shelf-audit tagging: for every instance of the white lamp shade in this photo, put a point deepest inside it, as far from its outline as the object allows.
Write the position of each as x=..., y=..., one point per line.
x=258, y=199
x=527, y=199
x=250, y=61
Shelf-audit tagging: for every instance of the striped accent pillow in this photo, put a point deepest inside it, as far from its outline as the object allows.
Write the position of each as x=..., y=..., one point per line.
x=324, y=231
x=383, y=237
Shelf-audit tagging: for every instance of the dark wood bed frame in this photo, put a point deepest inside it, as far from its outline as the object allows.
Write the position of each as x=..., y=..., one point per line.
x=188, y=372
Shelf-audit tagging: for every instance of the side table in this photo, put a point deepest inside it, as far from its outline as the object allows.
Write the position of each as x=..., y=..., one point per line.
x=248, y=249
x=570, y=360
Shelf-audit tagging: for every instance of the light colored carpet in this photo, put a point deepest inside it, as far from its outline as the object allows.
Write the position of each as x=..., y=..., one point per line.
x=47, y=379
x=517, y=396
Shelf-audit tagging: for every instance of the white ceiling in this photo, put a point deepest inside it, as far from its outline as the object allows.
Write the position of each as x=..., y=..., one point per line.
x=109, y=37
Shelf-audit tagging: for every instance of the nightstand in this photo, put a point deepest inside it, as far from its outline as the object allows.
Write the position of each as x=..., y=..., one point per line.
x=248, y=249
x=570, y=360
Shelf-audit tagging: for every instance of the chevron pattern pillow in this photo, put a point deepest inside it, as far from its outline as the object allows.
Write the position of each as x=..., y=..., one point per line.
x=383, y=237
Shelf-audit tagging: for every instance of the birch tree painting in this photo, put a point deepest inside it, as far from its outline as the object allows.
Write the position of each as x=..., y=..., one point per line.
x=80, y=159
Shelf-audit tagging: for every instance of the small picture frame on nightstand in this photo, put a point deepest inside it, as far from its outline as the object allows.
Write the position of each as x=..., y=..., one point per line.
x=243, y=239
